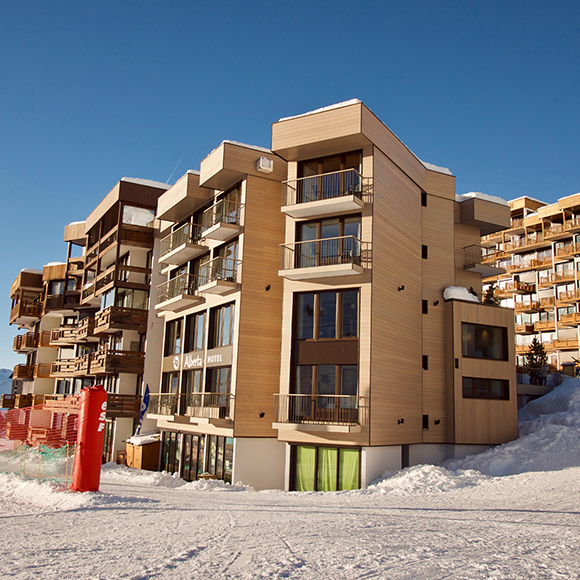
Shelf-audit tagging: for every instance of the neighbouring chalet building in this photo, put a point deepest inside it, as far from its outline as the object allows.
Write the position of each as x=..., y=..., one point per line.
x=539, y=254
x=290, y=301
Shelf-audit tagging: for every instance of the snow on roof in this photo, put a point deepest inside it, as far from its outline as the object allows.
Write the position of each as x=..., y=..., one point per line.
x=566, y=197
x=256, y=147
x=148, y=182
x=478, y=195
x=459, y=293
x=77, y=223
x=531, y=198
x=54, y=264
x=31, y=271
x=193, y=171
x=329, y=108
x=433, y=167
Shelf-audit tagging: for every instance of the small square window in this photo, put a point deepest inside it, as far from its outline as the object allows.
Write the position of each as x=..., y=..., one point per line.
x=423, y=199
x=424, y=252
x=425, y=306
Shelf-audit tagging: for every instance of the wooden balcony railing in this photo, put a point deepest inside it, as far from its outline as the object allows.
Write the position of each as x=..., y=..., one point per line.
x=64, y=334
x=514, y=287
x=544, y=325
x=118, y=318
x=319, y=409
x=556, y=277
x=63, y=368
x=524, y=243
x=564, y=344
x=568, y=251
x=526, y=328
x=326, y=186
x=25, y=309
x=86, y=328
x=123, y=406
x=109, y=361
x=24, y=342
x=137, y=235
x=526, y=306
x=83, y=365
x=24, y=372
x=42, y=371
x=134, y=275
x=572, y=319
x=570, y=296
x=199, y=405
x=7, y=401
x=547, y=303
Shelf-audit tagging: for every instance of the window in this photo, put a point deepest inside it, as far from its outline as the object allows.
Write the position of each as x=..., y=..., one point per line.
x=173, y=337
x=222, y=326
x=423, y=199
x=130, y=298
x=328, y=241
x=479, y=341
x=56, y=287
x=475, y=388
x=424, y=252
x=194, y=332
x=325, y=468
x=425, y=307
x=169, y=382
x=218, y=380
x=330, y=383
x=325, y=315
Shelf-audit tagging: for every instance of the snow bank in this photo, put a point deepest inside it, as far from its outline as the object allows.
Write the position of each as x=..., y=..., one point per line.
x=114, y=473
x=549, y=437
x=460, y=197
x=459, y=293
x=425, y=479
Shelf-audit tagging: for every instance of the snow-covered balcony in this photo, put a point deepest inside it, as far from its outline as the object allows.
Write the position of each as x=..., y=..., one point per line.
x=181, y=245
x=325, y=258
x=331, y=413
x=327, y=194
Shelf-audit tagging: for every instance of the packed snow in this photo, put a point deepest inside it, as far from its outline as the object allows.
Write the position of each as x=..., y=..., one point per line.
x=460, y=197
x=459, y=293
x=511, y=512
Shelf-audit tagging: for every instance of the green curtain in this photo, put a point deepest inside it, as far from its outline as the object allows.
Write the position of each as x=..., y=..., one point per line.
x=349, y=469
x=305, y=464
x=327, y=458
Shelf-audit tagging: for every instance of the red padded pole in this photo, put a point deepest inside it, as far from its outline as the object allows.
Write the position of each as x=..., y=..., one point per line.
x=91, y=433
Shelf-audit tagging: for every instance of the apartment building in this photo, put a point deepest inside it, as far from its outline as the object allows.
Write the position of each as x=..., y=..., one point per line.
x=307, y=341
x=87, y=319
x=539, y=254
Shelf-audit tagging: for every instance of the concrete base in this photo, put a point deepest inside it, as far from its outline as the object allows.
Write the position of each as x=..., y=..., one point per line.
x=259, y=462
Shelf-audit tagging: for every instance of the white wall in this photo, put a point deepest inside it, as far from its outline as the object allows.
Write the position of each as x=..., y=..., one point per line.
x=259, y=462
x=427, y=453
x=376, y=460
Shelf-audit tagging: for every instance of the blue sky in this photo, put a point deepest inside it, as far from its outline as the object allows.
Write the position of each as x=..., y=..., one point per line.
x=94, y=91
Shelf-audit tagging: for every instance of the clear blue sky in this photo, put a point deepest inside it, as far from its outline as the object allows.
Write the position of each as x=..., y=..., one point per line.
x=94, y=91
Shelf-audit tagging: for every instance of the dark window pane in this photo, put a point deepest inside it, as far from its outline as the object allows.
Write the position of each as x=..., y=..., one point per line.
x=349, y=384
x=327, y=327
x=303, y=384
x=304, y=316
x=352, y=227
x=326, y=380
x=481, y=341
x=350, y=313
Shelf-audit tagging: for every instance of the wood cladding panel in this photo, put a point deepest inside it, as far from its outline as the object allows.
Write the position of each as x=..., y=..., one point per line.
x=183, y=198
x=483, y=421
x=259, y=344
x=440, y=185
x=438, y=272
x=54, y=272
x=396, y=315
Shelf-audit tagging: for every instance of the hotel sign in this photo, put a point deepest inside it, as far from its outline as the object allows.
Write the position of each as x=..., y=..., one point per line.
x=216, y=357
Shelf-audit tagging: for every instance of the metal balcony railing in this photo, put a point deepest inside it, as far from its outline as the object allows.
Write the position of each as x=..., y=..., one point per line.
x=225, y=212
x=183, y=284
x=326, y=186
x=320, y=409
x=189, y=233
x=200, y=405
x=225, y=269
x=324, y=252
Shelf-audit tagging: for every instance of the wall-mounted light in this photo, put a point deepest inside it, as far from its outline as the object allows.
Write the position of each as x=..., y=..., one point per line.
x=262, y=415
x=436, y=303
x=437, y=421
x=400, y=421
x=400, y=288
x=268, y=287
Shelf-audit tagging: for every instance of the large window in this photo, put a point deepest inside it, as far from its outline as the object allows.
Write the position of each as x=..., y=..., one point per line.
x=326, y=315
x=475, y=388
x=481, y=341
x=325, y=468
x=221, y=326
x=194, y=331
x=173, y=337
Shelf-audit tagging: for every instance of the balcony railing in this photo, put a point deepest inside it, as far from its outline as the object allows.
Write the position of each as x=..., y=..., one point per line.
x=64, y=334
x=219, y=269
x=117, y=318
x=571, y=296
x=526, y=306
x=109, y=361
x=544, y=325
x=25, y=372
x=125, y=406
x=25, y=309
x=86, y=328
x=189, y=233
x=326, y=186
x=223, y=212
x=568, y=250
x=514, y=288
x=319, y=409
x=28, y=341
x=526, y=328
x=555, y=277
x=572, y=319
x=63, y=367
x=325, y=252
x=473, y=262
x=199, y=405
x=185, y=284
x=42, y=371
x=134, y=275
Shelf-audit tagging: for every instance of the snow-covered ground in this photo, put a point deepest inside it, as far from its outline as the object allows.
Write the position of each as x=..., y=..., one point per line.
x=511, y=512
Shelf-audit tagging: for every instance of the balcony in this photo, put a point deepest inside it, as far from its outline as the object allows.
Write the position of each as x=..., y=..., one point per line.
x=114, y=318
x=569, y=297
x=109, y=361
x=63, y=368
x=26, y=342
x=67, y=301
x=533, y=264
x=7, y=401
x=572, y=319
x=326, y=194
x=329, y=257
x=544, y=326
x=316, y=412
x=491, y=257
x=562, y=344
x=123, y=406
x=526, y=307
x=557, y=277
x=547, y=303
x=83, y=365
x=222, y=221
x=491, y=240
x=25, y=312
x=64, y=335
x=42, y=371
x=568, y=251
x=178, y=293
x=23, y=372
x=527, y=328
x=181, y=245
x=219, y=276
x=525, y=243
x=205, y=406
x=473, y=262
x=522, y=348
x=86, y=329
x=514, y=288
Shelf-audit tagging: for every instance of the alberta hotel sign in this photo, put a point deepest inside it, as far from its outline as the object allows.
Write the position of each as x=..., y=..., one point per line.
x=216, y=357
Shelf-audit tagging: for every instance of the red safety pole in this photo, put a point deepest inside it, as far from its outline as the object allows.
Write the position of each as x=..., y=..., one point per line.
x=91, y=433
